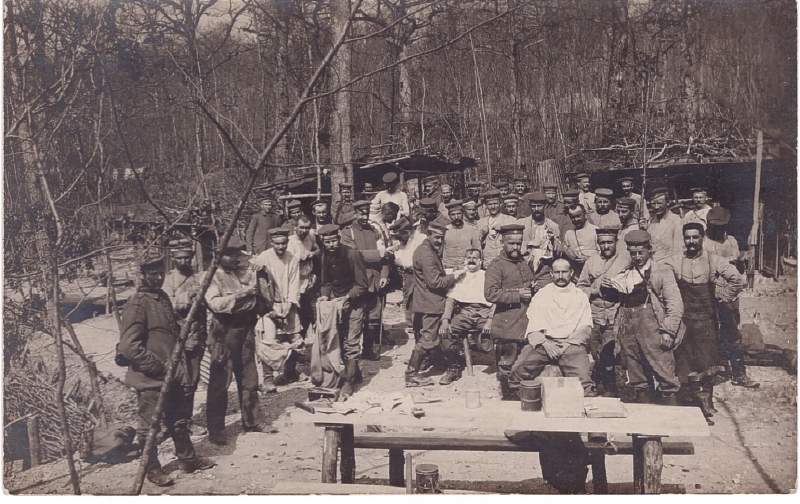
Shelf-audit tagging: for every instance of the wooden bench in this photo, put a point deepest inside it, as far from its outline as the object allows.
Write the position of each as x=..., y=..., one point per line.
x=396, y=443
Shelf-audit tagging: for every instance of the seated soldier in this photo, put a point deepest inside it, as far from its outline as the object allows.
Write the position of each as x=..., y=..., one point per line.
x=466, y=309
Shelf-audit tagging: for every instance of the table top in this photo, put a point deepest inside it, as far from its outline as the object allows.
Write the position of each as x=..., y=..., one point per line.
x=499, y=416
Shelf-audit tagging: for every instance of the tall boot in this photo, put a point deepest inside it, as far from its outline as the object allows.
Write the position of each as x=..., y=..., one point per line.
x=703, y=399
x=453, y=371
x=189, y=461
x=669, y=399
x=368, y=350
x=349, y=373
x=154, y=473
x=413, y=378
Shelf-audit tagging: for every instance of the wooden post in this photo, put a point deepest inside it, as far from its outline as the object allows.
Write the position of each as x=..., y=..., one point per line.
x=330, y=453
x=467, y=355
x=599, y=477
x=348, y=465
x=396, y=467
x=648, y=461
x=753, y=238
x=409, y=475
x=33, y=439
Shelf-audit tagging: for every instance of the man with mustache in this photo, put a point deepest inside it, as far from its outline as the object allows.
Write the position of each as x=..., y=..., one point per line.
x=628, y=220
x=539, y=239
x=523, y=203
x=458, y=238
x=603, y=216
x=696, y=272
x=511, y=205
x=664, y=226
x=509, y=285
x=586, y=196
x=564, y=222
x=699, y=212
x=580, y=243
x=295, y=210
x=470, y=213
x=345, y=205
x=390, y=195
x=488, y=227
x=604, y=302
x=474, y=191
x=648, y=320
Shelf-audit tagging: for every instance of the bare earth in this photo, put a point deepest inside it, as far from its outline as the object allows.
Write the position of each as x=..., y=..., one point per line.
x=752, y=449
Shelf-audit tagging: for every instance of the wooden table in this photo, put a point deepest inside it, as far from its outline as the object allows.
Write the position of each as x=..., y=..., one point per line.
x=647, y=424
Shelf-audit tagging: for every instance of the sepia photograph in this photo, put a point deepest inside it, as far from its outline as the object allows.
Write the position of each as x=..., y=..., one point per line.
x=374, y=247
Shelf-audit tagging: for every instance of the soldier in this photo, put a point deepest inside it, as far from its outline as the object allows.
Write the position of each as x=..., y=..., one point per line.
x=381, y=223
x=626, y=183
x=148, y=335
x=345, y=205
x=626, y=208
x=699, y=212
x=474, y=192
x=431, y=212
x=231, y=299
x=320, y=213
x=407, y=240
x=427, y=304
x=390, y=195
x=523, y=205
x=344, y=275
x=502, y=186
x=696, y=273
x=648, y=320
x=280, y=328
x=721, y=244
x=458, y=238
x=552, y=206
x=295, y=209
x=430, y=187
x=182, y=288
x=447, y=194
x=304, y=247
x=580, y=243
x=361, y=236
x=510, y=205
x=605, y=303
x=562, y=219
x=604, y=216
x=539, y=240
x=470, y=213
x=586, y=196
x=664, y=227
x=488, y=227
x=509, y=285
x=260, y=224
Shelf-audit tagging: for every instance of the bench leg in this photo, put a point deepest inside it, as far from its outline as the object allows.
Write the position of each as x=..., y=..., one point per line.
x=599, y=477
x=348, y=465
x=648, y=461
x=467, y=356
x=330, y=453
x=396, y=467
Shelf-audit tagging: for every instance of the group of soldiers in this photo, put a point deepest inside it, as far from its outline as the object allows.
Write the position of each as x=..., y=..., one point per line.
x=536, y=277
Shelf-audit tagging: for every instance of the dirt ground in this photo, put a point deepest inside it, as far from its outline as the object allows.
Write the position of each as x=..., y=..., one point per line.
x=752, y=447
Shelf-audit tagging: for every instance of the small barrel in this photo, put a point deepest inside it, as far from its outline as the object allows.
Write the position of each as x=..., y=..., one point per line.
x=427, y=479
x=530, y=396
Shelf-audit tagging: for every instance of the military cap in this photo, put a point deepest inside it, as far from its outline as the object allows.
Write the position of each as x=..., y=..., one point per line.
x=431, y=178
x=699, y=190
x=637, y=238
x=474, y=185
x=427, y=203
x=606, y=231
x=278, y=231
x=657, y=191
x=447, y=186
x=389, y=177
x=627, y=202
x=358, y=205
x=606, y=193
x=152, y=261
x=235, y=246
x=511, y=229
x=537, y=197
x=694, y=225
x=470, y=204
x=454, y=204
x=265, y=198
x=718, y=216
x=510, y=197
x=550, y=185
x=626, y=179
x=319, y=202
x=500, y=184
x=328, y=230
x=520, y=178
x=436, y=227
x=581, y=175
x=491, y=194
x=571, y=194
x=294, y=204
x=345, y=185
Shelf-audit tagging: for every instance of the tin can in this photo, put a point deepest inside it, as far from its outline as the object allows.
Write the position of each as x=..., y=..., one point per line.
x=427, y=479
x=530, y=396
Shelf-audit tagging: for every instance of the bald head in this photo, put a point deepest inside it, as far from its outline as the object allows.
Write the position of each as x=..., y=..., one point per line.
x=562, y=272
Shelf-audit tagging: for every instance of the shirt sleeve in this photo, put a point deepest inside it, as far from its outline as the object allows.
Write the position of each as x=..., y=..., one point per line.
x=251, y=232
x=535, y=322
x=734, y=281
x=294, y=282
x=217, y=301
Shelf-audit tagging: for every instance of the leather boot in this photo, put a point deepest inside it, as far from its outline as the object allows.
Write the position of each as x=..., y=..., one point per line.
x=704, y=402
x=507, y=391
x=670, y=399
x=349, y=373
x=368, y=350
x=413, y=378
x=188, y=460
x=710, y=389
x=644, y=396
x=452, y=374
x=158, y=477
x=289, y=374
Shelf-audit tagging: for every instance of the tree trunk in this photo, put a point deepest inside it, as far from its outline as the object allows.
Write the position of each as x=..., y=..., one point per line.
x=340, y=142
x=283, y=11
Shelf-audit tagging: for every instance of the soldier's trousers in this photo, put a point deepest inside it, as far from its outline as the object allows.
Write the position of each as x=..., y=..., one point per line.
x=573, y=362
x=176, y=420
x=602, y=343
x=698, y=350
x=730, y=339
x=505, y=355
x=641, y=342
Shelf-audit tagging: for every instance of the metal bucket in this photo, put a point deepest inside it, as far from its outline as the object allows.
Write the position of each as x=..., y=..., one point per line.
x=530, y=396
x=427, y=479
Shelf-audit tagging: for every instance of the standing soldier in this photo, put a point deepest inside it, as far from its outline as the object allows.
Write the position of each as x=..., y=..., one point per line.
x=562, y=219
x=458, y=238
x=648, y=321
x=390, y=195
x=344, y=275
x=345, y=205
x=539, y=240
x=474, y=192
x=502, y=186
x=699, y=212
x=626, y=183
x=447, y=194
x=696, y=273
x=721, y=244
x=586, y=196
x=427, y=304
x=523, y=204
x=148, y=335
x=367, y=241
x=628, y=220
x=182, y=288
x=580, y=243
x=470, y=213
x=488, y=227
x=430, y=186
x=552, y=206
x=508, y=284
x=408, y=239
x=320, y=213
x=664, y=227
x=511, y=205
x=604, y=216
x=304, y=247
x=295, y=209
x=261, y=222
x=231, y=298
x=383, y=220
x=605, y=303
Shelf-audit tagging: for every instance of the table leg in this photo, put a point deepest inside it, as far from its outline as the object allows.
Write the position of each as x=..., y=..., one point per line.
x=648, y=461
x=330, y=452
x=396, y=469
x=348, y=465
x=599, y=477
x=467, y=355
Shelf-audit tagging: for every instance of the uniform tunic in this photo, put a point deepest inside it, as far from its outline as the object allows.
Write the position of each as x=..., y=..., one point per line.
x=666, y=236
x=260, y=224
x=344, y=273
x=587, y=200
x=608, y=220
x=490, y=237
x=640, y=204
x=456, y=242
x=428, y=296
x=550, y=211
x=367, y=241
x=524, y=206
x=179, y=288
